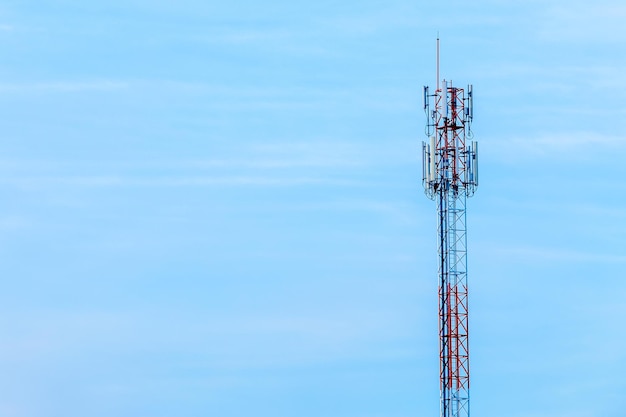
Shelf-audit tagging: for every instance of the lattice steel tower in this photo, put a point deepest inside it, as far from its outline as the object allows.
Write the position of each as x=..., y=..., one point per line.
x=450, y=175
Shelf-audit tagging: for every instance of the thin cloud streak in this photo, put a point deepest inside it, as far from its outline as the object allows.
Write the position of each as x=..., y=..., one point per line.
x=63, y=86
x=192, y=181
x=537, y=253
x=556, y=146
x=236, y=341
x=584, y=22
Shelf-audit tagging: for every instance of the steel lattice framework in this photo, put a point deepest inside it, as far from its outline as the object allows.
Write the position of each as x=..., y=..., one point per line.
x=450, y=175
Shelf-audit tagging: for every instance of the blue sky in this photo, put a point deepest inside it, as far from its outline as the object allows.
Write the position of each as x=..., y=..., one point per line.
x=215, y=208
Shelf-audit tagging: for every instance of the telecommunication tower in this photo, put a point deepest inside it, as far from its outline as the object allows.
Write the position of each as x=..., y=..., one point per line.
x=450, y=175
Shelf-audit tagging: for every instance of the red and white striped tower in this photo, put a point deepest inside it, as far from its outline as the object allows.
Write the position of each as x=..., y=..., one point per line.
x=450, y=175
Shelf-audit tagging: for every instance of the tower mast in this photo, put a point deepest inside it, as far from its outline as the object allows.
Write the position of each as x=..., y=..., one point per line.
x=450, y=175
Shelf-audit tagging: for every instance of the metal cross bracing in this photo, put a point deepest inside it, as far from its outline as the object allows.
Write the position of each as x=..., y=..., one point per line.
x=453, y=326
x=450, y=175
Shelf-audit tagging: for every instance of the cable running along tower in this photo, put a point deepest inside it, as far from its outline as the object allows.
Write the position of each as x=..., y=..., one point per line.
x=450, y=175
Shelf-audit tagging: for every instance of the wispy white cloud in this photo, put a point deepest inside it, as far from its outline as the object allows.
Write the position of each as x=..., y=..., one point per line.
x=397, y=212
x=568, y=413
x=34, y=335
x=320, y=336
x=551, y=78
x=249, y=35
x=63, y=86
x=399, y=15
x=338, y=25
x=575, y=207
x=274, y=164
x=14, y=222
x=537, y=253
x=239, y=340
x=286, y=39
x=563, y=146
x=181, y=181
x=582, y=21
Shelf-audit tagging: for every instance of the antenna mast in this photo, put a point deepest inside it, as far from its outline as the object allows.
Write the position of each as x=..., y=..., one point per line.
x=437, y=60
x=450, y=175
